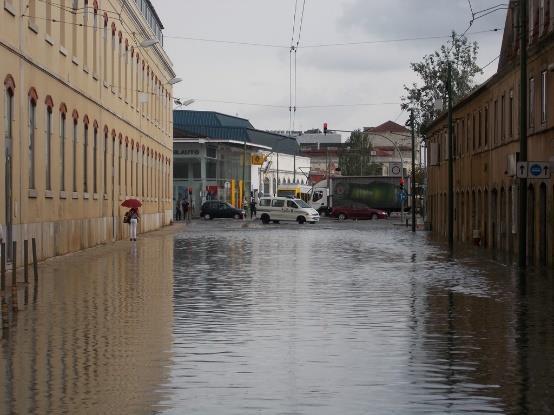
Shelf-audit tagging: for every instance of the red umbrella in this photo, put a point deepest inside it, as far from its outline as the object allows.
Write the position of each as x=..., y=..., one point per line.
x=132, y=203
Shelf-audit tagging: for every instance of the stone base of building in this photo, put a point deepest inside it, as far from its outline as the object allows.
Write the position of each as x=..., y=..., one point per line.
x=67, y=236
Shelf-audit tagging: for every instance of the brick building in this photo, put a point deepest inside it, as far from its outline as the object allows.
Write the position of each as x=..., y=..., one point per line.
x=486, y=143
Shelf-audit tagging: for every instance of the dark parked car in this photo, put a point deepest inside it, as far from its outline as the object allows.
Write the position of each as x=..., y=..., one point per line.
x=358, y=212
x=217, y=209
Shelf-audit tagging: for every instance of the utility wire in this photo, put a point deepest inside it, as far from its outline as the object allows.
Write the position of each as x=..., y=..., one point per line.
x=324, y=45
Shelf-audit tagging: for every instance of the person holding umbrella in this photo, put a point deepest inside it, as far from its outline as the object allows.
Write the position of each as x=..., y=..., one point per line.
x=132, y=216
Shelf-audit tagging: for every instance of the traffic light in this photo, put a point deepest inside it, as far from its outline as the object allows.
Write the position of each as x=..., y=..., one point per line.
x=325, y=128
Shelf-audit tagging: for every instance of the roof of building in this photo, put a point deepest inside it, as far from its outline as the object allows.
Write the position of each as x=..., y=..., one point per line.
x=214, y=125
x=156, y=16
x=387, y=127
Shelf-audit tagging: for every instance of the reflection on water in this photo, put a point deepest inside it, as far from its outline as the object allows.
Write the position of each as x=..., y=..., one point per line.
x=97, y=339
x=338, y=318
x=355, y=319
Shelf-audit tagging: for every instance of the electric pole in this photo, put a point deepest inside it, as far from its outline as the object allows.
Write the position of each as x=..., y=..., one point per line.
x=413, y=187
x=450, y=163
x=522, y=234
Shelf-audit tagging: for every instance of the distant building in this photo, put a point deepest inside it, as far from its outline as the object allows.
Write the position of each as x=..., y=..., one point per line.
x=392, y=143
x=209, y=149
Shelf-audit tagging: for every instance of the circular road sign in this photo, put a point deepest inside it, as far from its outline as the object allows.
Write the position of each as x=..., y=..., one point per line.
x=395, y=170
x=535, y=169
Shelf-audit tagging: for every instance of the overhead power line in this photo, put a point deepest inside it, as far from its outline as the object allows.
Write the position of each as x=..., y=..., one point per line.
x=324, y=45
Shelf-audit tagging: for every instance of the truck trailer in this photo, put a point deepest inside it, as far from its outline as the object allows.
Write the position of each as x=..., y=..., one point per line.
x=377, y=192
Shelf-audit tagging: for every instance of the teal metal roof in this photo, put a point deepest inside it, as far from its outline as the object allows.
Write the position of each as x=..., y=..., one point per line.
x=214, y=125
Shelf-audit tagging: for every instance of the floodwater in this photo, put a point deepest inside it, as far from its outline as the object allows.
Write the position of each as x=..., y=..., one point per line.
x=333, y=318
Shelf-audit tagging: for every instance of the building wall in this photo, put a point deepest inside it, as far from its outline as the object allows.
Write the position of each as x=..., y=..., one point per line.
x=485, y=188
x=289, y=169
x=84, y=70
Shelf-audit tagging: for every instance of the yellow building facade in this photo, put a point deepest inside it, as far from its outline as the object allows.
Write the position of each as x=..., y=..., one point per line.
x=86, y=121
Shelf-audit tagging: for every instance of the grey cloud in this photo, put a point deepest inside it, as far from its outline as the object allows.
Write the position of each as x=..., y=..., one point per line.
x=413, y=18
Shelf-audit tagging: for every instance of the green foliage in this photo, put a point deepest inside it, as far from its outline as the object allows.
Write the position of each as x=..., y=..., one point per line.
x=432, y=71
x=355, y=158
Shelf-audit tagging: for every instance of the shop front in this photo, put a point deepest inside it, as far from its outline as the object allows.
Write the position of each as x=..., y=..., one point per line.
x=211, y=170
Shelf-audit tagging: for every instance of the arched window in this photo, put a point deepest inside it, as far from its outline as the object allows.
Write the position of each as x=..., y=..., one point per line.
x=33, y=98
x=48, y=156
x=74, y=153
x=63, y=114
x=119, y=164
x=85, y=154
x=95, y=159
x=105, y=176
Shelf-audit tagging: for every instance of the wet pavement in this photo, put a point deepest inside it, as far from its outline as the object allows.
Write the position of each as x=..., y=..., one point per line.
x=332, y=318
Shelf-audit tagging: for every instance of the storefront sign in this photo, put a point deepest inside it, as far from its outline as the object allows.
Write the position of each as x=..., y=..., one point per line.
x=257, y=159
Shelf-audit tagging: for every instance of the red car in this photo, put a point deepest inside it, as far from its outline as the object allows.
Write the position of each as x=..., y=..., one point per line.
x=358, y=212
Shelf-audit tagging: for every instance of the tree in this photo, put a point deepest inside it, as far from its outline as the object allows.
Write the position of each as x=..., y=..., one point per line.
x=355, y=158
x=433, y=70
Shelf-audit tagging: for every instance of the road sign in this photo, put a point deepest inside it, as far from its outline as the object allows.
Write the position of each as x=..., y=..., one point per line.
x=539, y=170
x=533, y=170
x=395, y=169
x=522, y=169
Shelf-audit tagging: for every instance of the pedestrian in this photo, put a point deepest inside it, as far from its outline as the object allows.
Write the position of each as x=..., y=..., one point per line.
x=246, y=207
x=133, y=218
x=253, y=207
x=185, y=209
x=178, y=213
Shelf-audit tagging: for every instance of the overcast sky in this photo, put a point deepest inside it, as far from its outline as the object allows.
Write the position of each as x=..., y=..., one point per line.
x=339, y=75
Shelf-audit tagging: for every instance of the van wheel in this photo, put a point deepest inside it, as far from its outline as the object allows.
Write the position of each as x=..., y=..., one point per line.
x=301, y=220
x=342, y=216
x=265, y=219
x=207, y=216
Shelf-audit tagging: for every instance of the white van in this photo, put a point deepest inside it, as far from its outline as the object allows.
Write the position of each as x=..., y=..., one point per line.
x=276, y=209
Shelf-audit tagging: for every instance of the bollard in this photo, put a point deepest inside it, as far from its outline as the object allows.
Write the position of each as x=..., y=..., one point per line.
x=26, y=261
x=5, y=317
x=35, y=265
x=15, y=308
x=3, y=266
x=14, y=264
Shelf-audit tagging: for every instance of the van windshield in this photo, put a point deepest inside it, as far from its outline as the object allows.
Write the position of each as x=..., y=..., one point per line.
x=301, y=203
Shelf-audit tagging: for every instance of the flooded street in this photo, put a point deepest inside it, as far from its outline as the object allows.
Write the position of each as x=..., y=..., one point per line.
x=351, y=318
